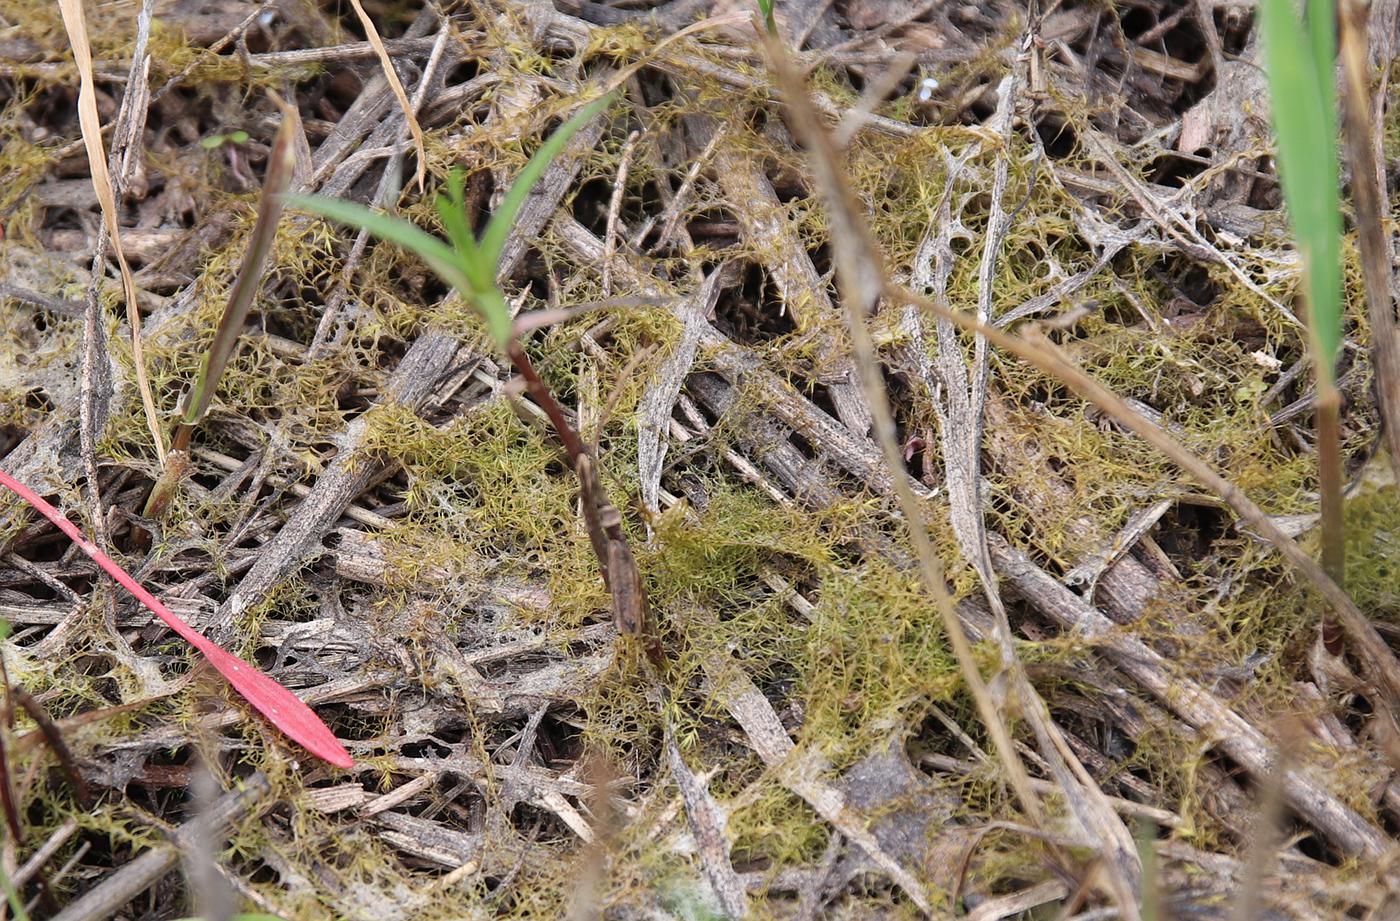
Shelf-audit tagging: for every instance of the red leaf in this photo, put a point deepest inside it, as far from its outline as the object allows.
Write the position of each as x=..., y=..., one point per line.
x=282, y=708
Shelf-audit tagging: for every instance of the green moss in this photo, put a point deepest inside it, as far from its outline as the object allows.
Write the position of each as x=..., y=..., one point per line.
x=1373, y=551
x=486, y=492
x=774, y=825
x=875, y=653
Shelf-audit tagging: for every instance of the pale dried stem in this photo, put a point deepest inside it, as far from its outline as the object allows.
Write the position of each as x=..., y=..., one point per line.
x=615, y=208
x=1044, y=355
x=1376, y=255
x=392, y=75
x=91, y=124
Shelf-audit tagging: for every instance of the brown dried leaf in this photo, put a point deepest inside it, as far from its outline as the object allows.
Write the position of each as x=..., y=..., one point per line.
x=91, y=124
x=392, y=75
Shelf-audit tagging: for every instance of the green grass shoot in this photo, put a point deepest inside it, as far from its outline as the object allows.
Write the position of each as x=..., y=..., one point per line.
x=1298, y=61
x=12, y=897
x=765, y=7
x=1298, y=57
x=467, y=264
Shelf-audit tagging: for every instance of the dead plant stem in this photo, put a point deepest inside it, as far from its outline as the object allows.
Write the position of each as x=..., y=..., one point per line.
x=1360, y=134
x=1036, y=349
x=1329, y=480
x=610, y=545
x=539, y=391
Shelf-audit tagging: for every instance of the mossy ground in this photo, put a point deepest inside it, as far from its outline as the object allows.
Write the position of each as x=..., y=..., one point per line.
x=480, y=493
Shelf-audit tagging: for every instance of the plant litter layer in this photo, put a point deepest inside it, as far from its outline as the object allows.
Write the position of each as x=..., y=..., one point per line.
x=379, y=515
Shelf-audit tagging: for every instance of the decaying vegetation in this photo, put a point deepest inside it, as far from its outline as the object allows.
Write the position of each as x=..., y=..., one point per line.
x=382, y=517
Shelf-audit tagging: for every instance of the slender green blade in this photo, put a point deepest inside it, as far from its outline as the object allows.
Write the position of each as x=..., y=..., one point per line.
x=765, y=7
x=452, y=210
x=496, y=312
x=1305, y=120
x=1320, y=23
x=11, y=896
x=440, y=257
x=485, y=295
x=493, y=241
x=280, y=165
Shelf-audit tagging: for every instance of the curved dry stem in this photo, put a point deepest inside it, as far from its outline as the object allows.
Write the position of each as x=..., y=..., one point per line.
x=861, y=277
x=1039, y=351
x=91, y=124
x=391, y=75
x=1371, y=235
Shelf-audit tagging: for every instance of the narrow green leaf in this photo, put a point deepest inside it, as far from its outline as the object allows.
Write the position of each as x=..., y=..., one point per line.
x=485, y=295
x=11, y=896
x=766, y=8
x=1320, y=24
x=281, y=162
x=496, y=312
x=1305, y=120
x=440, y=257
x=452, y=210
x=493, y=241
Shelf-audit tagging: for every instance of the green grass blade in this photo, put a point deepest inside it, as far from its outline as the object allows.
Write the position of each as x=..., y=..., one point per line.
x=1320, y=23
x=1305, y=120
x=491, y=303
x=281, y=163
x=765, y=7
x=452, y=210
x=11, y=896
x=493, y=241
x=440, y=257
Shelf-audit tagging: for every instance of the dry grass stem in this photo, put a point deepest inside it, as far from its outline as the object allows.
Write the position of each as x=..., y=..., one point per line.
x=391, y=74
x=75, y=22
x=860, y=274
x=1362, y=138
x=876, y=480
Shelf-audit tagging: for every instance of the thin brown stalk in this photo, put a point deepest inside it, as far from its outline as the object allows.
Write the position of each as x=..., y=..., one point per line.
x=539, y=392
x=7, y=793
x=1264, y=843
x=280, y=167
x=392, y=75
x=856, y=277
x=1329, y=482
x=1370, y=221
x=54, y=737
x=7, y=790
x=585, y=902
x=91, y=125
x=1037, y=350
x=604, y=522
